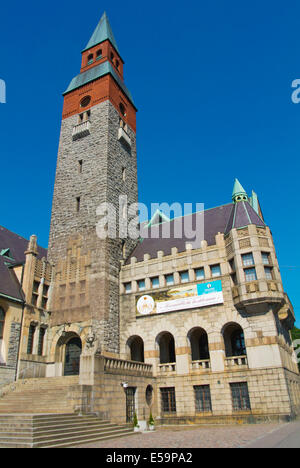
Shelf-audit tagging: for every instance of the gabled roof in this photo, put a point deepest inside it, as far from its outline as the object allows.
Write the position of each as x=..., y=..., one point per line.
x=12, y=247
x=216, y=220
x=9, y=284
x=16, y=245
x=103, y=32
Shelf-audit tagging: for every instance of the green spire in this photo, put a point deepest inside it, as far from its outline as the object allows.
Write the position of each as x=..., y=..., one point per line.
x=102, y=33
x=239, y=193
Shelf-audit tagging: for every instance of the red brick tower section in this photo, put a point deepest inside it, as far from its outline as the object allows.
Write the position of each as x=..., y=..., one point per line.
x=106, y=87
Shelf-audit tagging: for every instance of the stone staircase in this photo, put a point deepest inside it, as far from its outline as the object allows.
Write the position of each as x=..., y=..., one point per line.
x=41, y=413
x=43, y=395
x=55, y=430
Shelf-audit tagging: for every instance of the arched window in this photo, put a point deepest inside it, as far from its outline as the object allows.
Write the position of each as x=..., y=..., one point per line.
x=199, y=344
x=90, y=59
x=166, y=345
x=136, y=347
x=99, y=54
x=234, y=340
x=2, y=322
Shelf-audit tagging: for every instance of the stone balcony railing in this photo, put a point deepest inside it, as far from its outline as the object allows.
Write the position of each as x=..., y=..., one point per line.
x=203, y=365
x=167, y=368
x=236, y=361
x=120, y=366
x=81, y=130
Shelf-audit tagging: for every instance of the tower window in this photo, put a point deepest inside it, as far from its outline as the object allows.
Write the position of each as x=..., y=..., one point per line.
x=117, y=64
x=78, y=204
x=99, y=54
x=124, y=174
x=80, y=164
x=90, y=59
x=122, y=109
x=112, y=57
x=248, y=259
x=85, y=101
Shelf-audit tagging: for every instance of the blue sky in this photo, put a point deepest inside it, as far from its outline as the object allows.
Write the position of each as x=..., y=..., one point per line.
x=212, y=82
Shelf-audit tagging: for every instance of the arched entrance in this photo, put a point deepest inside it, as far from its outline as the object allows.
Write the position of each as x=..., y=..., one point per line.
x=72, y=357
x=68, y=351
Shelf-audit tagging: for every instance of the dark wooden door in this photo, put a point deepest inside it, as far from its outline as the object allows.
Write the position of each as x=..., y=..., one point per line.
x=73, y=352
x=130, y=403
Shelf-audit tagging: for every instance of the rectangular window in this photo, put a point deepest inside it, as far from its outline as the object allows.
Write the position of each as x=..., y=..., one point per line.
x=248, y=259
x=202, y=398
x=265, y=258
x=168, y=400
x=41, y=341
x=34, y=299
x=141, y=285
x=250, y=274
x=30, y=339
x=127, y=287
x=170, y=280
x=240, y=396
x=215, y=270
x=184, y=277
x=78, y=204
x=199, y=272
x=155, y=282
x=269, y=273
x=80, y=165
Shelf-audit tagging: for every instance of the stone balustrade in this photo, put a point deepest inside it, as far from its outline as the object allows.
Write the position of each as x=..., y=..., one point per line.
x=81, y=130
x=203, y=364
x=236, y=361
x=167, y=368
x=114, y=365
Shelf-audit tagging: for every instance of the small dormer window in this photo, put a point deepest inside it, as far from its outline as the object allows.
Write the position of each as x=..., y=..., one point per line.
x=6, y=253
x=112, y=57
x=99, y=54
x=90, y=59
x=117, y=64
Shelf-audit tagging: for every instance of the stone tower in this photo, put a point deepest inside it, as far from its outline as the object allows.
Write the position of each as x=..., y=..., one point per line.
x=96, y=165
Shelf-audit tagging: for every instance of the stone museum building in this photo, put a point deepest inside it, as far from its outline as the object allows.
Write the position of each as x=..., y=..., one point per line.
x=116, y=326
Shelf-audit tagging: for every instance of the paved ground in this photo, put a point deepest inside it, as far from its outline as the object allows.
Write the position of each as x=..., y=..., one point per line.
x=260, y=435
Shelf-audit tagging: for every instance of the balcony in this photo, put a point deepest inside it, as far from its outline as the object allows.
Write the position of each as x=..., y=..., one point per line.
x=201, y=365
x=167, y=368
x=81, y=130
x=235, y=362
x=123, y=137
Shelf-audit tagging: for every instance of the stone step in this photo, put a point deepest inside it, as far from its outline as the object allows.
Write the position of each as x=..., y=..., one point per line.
x=57, y=435
x=35, y=431
x=56, y=431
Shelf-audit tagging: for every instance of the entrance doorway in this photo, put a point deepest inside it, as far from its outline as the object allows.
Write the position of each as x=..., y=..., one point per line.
x=72, y=356
x=130, y=403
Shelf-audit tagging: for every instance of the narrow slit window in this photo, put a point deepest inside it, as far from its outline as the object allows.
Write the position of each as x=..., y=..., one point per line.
x=78, y=204
x=80, y=164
